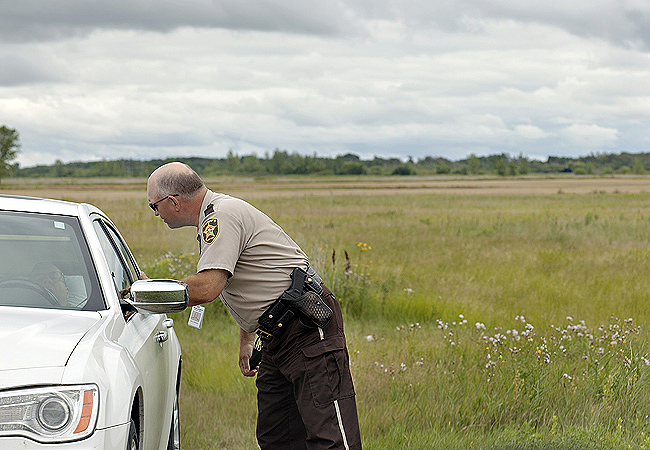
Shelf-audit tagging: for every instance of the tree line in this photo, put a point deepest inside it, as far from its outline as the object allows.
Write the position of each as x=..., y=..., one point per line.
x=282, y=162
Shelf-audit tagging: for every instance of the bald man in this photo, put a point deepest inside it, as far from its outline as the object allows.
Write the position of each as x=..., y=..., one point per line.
x=306, y=399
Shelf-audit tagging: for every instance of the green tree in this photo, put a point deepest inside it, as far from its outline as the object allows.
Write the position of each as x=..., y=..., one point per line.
x=9, y=148
x=500, y=167
x=232, y=162
x=512, y=168
x=524, y=165
x=474, y=164
x=442, y=168
x=638, y=166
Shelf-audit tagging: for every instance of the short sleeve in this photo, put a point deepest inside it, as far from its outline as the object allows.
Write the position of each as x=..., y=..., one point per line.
x=222, y=241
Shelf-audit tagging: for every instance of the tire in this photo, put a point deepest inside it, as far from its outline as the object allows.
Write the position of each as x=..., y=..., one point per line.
x=174, y=442
x=133, y=443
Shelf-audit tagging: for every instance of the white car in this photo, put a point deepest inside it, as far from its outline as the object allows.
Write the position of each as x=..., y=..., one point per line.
x=81, y=366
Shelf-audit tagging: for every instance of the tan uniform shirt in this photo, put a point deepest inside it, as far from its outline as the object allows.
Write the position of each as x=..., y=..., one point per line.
x=258, y=254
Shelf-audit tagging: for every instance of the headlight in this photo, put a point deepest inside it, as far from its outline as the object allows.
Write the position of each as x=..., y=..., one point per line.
x=50, y=414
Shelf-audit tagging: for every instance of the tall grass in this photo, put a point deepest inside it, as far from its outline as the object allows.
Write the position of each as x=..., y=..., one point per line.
x=473, y=321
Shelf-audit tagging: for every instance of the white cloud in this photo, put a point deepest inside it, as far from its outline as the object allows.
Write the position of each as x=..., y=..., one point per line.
x=530, y=132
x=590, y=135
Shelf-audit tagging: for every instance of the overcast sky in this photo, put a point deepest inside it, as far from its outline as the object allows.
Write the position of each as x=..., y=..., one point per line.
x=84, y=80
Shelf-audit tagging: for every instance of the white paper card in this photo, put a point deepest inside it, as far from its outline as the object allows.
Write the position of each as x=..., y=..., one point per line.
x=196, y=316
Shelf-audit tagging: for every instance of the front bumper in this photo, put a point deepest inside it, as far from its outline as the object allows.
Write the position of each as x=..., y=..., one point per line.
x=114, y=438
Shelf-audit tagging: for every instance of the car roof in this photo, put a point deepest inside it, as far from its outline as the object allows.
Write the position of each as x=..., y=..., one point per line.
x=44, y=205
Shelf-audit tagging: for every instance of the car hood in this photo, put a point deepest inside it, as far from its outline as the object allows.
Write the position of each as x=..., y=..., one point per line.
x=32, y=338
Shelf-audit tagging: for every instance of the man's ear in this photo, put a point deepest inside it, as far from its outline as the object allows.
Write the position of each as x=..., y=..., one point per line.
x=176, y=201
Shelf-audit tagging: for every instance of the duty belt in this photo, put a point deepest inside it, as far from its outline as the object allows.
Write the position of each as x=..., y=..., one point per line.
x=303, y=297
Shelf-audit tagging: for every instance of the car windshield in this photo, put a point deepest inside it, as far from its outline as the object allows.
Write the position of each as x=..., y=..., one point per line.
x=46, y=263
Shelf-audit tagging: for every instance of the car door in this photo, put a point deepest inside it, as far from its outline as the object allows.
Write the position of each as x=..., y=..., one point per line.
x=141, y=338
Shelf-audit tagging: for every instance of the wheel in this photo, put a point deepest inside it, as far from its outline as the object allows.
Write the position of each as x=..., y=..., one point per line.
x=133, y=443
x=174, y=442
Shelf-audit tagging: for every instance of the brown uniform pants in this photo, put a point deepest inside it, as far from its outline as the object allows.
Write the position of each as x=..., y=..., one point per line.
x=305, y=395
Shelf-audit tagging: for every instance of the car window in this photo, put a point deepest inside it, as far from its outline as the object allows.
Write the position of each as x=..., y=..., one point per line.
x=117, y=255
x=46, y=263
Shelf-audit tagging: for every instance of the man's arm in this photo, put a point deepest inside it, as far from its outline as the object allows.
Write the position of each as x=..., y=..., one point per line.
x=206, y=285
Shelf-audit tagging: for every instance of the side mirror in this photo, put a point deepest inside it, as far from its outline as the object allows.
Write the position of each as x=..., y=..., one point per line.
x=159, y=296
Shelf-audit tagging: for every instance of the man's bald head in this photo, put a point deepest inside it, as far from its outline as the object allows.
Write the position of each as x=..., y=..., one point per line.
x=176, y=179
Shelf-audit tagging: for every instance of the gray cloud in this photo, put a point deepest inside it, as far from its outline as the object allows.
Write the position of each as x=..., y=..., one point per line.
x=24, y=21
x=18, y=71
x=621, y=22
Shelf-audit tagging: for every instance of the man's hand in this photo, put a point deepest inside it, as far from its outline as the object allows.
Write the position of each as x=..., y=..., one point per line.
x=246, y=345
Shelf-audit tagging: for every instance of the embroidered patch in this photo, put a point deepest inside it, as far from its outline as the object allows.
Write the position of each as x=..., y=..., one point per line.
x=210, y=230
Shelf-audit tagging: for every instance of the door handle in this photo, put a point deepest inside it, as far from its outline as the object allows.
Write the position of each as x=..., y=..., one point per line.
x=160, y=337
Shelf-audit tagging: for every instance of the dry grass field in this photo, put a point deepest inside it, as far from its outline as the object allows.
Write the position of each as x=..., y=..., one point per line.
x=89, y=189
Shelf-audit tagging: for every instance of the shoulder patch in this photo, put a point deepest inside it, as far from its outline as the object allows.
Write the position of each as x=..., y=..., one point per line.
x=210, y=230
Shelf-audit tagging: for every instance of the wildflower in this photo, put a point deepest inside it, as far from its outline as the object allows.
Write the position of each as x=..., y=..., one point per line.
x=370, y=338
x=480, y=326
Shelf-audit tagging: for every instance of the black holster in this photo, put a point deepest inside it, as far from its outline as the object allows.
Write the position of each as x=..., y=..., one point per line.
x=303, y=298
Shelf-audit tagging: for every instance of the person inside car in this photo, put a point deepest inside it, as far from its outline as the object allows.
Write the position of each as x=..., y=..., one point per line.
x=49, y=277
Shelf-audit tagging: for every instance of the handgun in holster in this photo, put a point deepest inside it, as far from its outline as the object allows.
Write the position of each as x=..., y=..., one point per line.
x=304, y=298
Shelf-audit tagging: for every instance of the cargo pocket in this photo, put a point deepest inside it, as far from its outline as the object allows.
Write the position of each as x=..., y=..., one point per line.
x=328, y=372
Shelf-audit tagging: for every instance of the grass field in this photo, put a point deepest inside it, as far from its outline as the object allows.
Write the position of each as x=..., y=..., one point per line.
x=480, y=313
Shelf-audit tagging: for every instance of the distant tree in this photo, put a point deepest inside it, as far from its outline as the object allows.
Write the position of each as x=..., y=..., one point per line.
x=512, y=168
x=232, y=162
x=638, y=166
x=9, y=149
x=404, y=169
x=442, y=168
x=524, y=165
x=474, y=164
x=500, y=167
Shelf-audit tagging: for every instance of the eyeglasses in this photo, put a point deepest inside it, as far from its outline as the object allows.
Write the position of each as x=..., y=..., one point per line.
x=154, y=205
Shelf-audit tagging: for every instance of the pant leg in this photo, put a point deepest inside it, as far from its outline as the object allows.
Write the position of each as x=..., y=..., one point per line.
x=325, y=399
x=279, y=425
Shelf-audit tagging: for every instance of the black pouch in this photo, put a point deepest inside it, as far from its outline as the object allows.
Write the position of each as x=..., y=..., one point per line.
x=274, y=321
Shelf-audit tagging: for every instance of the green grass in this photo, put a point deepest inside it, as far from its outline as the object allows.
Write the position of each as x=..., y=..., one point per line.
x=427, y=378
